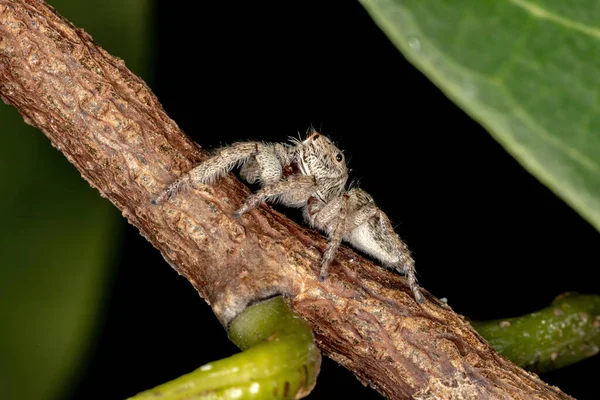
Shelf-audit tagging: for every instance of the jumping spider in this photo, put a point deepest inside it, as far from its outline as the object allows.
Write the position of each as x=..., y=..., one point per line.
x=310, y=174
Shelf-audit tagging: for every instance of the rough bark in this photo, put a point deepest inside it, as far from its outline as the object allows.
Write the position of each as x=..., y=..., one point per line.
x=108, y=123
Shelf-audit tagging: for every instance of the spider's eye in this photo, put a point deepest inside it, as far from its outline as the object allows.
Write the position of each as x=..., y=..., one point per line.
x=339, y=157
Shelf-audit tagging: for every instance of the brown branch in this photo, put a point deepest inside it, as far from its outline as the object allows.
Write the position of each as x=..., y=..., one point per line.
x=108, y=123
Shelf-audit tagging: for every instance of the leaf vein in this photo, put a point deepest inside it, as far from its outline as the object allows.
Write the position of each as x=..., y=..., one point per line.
x=541, y=13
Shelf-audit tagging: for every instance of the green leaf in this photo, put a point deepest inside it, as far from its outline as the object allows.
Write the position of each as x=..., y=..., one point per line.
x=58, y=236
x=526, y=70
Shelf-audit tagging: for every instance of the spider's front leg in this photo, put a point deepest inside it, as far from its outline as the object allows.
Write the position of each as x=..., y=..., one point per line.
x=292, y=191
x=370, y=230
x=263, y=160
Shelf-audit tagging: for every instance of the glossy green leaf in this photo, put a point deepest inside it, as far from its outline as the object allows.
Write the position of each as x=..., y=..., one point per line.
x=526, y=70
x=58, y=236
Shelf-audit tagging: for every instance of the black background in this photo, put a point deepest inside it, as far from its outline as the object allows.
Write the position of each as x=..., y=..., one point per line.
x=484, y=232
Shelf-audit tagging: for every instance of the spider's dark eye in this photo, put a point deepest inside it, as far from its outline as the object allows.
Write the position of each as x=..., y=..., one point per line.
x=339, y=157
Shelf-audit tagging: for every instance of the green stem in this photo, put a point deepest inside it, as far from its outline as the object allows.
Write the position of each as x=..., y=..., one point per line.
x=280, y=360
x=566, y=332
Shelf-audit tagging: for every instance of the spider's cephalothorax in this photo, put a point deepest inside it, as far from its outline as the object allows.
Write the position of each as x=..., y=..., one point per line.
x=317, y=156
x=310, y=174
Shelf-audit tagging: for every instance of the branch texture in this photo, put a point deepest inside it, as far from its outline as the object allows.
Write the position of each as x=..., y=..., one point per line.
x=109, y=124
